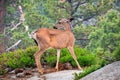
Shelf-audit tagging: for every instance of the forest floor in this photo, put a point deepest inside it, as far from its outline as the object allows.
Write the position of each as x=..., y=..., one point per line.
x=33, y=74
x=66, y=73
x=108, y=72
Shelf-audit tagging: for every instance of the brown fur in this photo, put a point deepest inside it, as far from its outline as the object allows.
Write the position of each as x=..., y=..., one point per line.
x=54, y=38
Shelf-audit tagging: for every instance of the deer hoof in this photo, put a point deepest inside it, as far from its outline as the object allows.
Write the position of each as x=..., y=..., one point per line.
x=41, y=71
x=56, y=68
x=80, y=68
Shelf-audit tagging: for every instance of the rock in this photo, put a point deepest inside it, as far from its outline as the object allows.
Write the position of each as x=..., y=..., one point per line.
x=27, y=72
x=12, y=72
x=109, y=72
x=68, y=66
x=61, y=66
x=34, y=70
x=36, y=74
x=43, y=78
x=8, y=69
x=65, y=66
x=20, y=75
x=2, y=76
x=35, y=78
x=19, y=70
x=28, y=69
x=61, y=75
x=13, y=77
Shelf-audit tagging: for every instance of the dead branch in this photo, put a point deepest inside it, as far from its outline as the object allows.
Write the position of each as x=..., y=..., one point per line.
x=13, y=46
x=16, y=26
x=22, y=19
x=26, y=27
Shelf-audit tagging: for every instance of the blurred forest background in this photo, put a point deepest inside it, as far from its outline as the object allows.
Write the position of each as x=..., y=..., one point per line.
x=96, y=26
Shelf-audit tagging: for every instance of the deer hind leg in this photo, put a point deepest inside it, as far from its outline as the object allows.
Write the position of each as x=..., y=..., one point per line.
x=37, y=59
x=58, y=57
x=74, y=56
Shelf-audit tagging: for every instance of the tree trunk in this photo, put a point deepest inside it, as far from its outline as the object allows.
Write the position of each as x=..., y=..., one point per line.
x=2, y=33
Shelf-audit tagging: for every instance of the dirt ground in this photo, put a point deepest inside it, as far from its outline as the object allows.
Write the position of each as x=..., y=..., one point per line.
x=33, y=74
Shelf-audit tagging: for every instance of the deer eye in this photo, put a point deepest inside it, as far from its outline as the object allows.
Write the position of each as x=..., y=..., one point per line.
x=59, y=22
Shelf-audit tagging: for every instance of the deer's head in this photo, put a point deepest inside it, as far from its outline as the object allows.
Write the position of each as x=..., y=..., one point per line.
x=63, y=23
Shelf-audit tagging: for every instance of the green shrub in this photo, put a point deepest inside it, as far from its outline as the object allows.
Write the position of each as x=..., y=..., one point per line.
x=96, y=61
x=85, y=58
x=18, y=59
x=86, y=71
x=105, y=56
x=51, y=60
x=116, y=54
x=25, y=58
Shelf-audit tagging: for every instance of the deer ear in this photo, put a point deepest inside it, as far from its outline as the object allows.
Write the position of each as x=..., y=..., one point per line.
x=70, y=19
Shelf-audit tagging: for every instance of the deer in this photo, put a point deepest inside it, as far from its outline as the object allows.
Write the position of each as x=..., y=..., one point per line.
x=57, y=39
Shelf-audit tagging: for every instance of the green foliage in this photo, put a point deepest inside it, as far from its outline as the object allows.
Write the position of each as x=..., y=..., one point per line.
x=84, y=57
x=106, y=37
x=81, y=35
x=18, y=59
x=86, y=71
x=10, y=10
x=116, y=54
x=44, y=13
x=51, y=60
x=25, y=58
x=19, y=35
x=87, y=60
x=55, y=11
x=100, y=63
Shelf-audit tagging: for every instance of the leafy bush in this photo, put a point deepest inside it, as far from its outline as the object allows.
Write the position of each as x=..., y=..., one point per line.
x=85, y=58
x=116, y=54
x=17, y=59
x=25, y=58
x=102, y=58
x=86, y=71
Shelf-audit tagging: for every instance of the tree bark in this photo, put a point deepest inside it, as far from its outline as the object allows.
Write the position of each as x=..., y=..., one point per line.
x=2, y=32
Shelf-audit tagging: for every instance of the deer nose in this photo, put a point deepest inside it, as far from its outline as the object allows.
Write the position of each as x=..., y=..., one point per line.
x=54, y=27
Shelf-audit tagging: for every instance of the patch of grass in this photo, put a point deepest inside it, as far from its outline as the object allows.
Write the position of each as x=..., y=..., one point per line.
x=88, y=70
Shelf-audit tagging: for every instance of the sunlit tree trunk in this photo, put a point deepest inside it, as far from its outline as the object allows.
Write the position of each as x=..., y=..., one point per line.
x=2, y=37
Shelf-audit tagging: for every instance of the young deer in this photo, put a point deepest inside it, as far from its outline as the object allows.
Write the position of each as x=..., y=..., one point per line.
x=55, y=38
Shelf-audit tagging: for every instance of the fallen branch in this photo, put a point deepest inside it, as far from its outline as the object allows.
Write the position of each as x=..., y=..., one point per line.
x=13, y=46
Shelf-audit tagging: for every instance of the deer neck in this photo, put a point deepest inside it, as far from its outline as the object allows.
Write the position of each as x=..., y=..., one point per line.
x=68, y=26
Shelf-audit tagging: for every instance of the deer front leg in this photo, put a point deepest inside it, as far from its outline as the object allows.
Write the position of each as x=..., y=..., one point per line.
x=58, y=57
x=74, y=57
x=37, y=60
